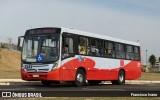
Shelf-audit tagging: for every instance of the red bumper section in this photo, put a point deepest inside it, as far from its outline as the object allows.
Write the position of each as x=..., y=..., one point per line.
x=32, y=76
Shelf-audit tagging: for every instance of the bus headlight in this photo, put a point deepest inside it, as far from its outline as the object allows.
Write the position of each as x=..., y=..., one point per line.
x=22, y=67
x=55, y=66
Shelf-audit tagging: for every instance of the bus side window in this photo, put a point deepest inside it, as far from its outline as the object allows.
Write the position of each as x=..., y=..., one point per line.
x=83, y=46
x=111, y=48
x=106, y=49
x=129, y=52
x=93, y=47
x=67, y=47
x=82, y=50
x=97, y=47
x=137, y=53
x=100, y=47
x=120, y=50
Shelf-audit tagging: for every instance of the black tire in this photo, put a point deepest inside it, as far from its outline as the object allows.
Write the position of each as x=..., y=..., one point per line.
x=121, y=78
x=80, y=79
x=46, y=83
x=94, y=82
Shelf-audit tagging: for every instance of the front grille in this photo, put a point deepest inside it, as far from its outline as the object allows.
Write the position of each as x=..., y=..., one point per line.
x=39, y=65
x=43, y=70
x=37, y=70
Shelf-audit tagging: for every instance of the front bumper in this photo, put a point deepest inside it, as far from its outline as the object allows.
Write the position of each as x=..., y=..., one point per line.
x=37, y=76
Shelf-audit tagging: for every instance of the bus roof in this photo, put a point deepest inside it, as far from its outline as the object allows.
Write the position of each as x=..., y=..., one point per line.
x=74, y=31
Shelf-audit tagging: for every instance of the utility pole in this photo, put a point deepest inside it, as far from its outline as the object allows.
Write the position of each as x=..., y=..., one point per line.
x=146, y=57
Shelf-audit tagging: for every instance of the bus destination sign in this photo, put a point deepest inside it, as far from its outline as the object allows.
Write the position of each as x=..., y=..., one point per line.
x=43, y=31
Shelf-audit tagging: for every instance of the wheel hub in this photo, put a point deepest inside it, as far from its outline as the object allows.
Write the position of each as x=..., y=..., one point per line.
x=80, y=78
x=121, y=78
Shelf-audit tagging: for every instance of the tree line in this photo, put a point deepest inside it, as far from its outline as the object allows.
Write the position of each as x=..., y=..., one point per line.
x=152, y=60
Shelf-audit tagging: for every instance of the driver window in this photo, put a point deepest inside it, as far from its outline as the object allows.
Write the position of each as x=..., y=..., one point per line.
x=49, y=47
x=67, y=47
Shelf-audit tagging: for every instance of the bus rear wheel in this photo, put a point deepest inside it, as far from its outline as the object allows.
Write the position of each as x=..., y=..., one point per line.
x=80, y=78
x=121, y=78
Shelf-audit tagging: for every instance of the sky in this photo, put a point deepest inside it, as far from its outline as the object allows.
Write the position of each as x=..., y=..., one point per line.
x=133, y=20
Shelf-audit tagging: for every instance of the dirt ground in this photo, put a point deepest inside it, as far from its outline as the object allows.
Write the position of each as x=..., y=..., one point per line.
x=10, y=64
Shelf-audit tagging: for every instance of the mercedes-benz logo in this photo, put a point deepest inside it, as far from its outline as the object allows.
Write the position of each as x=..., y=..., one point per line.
x=36, y=70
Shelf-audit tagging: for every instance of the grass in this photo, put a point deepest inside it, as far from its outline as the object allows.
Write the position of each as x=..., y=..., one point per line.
x=9, y=64
x=9, y=74
x=150, y=76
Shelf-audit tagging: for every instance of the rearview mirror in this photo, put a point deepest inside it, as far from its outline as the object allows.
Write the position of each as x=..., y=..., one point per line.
x=20, y=43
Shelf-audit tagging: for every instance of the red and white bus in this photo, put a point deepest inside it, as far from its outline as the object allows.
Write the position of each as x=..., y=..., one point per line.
x=52, y=55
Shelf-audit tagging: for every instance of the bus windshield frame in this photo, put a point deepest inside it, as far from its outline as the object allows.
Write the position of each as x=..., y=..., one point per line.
x=41, y=48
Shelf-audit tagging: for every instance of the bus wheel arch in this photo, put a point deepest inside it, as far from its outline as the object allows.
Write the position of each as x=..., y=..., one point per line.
x=80, y=77
x=82, y=68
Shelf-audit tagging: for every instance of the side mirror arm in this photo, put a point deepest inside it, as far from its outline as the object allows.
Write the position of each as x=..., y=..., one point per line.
x=19, y=48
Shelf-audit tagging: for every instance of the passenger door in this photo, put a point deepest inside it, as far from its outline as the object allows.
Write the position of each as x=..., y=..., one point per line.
x=67, y=71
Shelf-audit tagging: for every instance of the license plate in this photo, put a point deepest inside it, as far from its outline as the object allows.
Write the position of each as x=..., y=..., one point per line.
x=35, y=75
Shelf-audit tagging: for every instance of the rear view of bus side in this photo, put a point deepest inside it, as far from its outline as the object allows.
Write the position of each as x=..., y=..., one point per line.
x=52, y=55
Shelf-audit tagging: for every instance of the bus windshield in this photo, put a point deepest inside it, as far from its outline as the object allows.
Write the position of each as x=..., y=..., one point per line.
x=40, y=48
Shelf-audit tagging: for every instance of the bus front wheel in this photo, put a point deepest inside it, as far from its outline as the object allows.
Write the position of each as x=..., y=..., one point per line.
x=80, y=78
x=121, y=78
